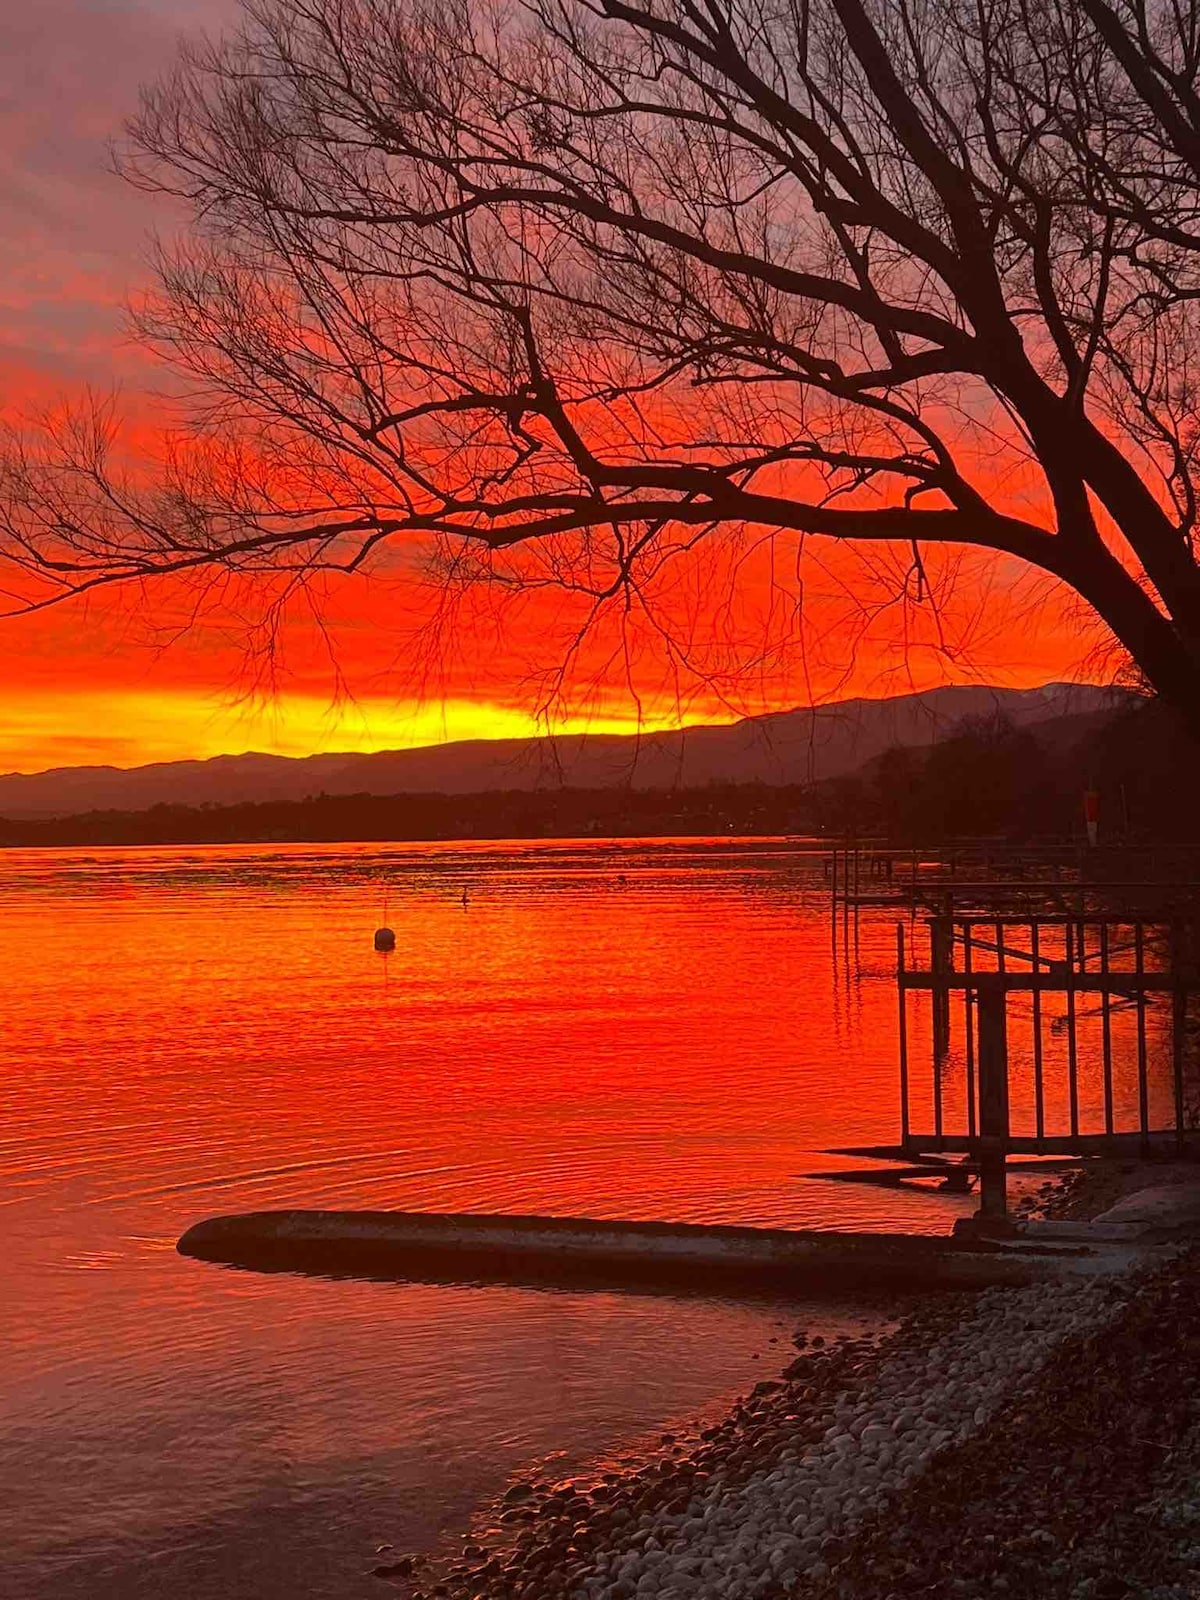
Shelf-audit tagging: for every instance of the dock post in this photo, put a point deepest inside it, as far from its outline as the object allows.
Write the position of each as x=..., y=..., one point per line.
x=903, y=1000
x=941, y=959
x=993, y=1097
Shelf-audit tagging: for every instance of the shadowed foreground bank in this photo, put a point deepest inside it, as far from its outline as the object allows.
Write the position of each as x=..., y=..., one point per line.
x=1038, y=1441
x=1086, y=1483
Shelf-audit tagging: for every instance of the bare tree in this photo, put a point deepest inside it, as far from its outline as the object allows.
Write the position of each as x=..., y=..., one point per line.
x=566, y=286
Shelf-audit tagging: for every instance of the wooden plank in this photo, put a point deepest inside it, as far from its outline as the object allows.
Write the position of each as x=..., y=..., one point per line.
x=938, y=1165
x=1052, y=1144
x=933, y=892
x=892, y=1177
x=1130, y=983
x=1012, y=950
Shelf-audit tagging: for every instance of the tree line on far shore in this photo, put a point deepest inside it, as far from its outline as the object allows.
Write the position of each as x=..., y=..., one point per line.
x=992, y=779
x=987, y=779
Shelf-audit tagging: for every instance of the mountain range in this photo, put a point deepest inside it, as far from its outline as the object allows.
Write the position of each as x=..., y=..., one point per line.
x=804, y=745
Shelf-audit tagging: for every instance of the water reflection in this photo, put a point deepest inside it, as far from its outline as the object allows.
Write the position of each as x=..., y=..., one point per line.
x=641, y=1030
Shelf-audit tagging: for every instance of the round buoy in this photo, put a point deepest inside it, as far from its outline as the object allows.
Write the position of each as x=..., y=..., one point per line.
x=385, y=939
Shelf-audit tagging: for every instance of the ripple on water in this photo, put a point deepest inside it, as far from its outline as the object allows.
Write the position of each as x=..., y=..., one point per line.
x=209, y=1031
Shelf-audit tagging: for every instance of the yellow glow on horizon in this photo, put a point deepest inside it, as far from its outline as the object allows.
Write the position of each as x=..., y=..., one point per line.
x=130, y=728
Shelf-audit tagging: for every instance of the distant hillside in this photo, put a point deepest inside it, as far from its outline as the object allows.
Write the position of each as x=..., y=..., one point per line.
x=784, y=748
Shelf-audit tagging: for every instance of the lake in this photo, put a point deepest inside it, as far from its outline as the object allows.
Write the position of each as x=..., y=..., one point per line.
x=639, y=1029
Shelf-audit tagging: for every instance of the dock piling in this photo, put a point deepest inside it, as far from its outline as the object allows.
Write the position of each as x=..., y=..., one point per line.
x=991, y=1009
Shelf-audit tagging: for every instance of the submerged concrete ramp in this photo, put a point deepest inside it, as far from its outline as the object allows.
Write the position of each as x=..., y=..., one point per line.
x=578, y=1251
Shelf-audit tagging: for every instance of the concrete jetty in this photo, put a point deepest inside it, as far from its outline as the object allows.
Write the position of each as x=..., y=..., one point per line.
x=581, y=1251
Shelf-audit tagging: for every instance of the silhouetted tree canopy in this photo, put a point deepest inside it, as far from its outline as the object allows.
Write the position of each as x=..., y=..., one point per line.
x=562, y=287
x=987, y=778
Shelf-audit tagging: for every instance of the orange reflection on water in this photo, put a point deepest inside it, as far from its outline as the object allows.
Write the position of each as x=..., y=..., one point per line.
x=635, y=1030
x=642, y=1030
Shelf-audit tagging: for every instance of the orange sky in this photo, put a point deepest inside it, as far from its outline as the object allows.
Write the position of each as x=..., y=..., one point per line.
x=124, y=681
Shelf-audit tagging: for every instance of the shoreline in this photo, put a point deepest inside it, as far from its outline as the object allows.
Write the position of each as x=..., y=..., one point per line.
x=1083, y=1194
x=844, y=1462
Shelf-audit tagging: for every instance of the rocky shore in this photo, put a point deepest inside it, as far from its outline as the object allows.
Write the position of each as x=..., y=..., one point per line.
x=1040, y=1441
x=1084, y=1486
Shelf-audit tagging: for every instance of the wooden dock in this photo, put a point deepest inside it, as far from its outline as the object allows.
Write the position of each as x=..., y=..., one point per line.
x=1119, y=962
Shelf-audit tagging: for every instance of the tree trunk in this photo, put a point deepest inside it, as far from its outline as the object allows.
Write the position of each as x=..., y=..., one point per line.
x=1170, y=662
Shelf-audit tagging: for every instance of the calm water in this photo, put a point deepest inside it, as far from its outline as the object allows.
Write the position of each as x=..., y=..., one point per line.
x=638, y=1030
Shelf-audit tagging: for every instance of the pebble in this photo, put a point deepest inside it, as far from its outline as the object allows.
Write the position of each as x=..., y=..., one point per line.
x=772, y=1524
x=759, y=1504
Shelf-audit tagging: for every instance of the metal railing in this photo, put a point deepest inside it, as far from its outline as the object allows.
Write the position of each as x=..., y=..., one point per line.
x=1098, y=966
x=1064, y=876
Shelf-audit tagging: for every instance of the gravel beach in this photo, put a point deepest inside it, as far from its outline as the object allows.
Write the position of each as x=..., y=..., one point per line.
x=1031, y=1441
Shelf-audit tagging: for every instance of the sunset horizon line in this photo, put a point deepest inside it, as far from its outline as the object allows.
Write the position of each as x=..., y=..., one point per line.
x=602, y=725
